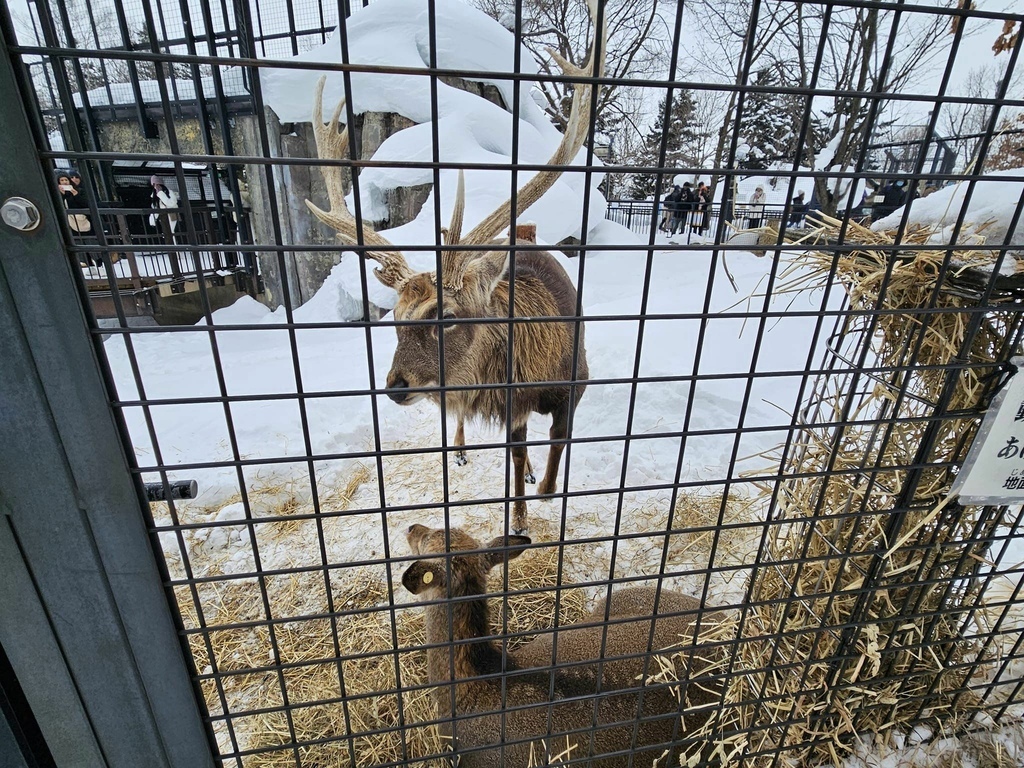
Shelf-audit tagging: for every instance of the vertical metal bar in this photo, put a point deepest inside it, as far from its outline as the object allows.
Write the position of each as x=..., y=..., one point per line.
x=81, y=527
x=146, y=125
x=350, y=120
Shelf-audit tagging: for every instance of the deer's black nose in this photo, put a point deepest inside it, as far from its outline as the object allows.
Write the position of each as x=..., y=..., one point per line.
x=398, y=390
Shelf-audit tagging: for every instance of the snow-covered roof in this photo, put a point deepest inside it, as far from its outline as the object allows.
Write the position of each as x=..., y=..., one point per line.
x=179, y=89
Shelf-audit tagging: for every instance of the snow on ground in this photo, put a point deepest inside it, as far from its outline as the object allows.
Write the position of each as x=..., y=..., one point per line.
x=258, y=364
x=990, y=746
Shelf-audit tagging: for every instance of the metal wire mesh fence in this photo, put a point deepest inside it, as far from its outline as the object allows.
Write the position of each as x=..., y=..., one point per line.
x=743, y=548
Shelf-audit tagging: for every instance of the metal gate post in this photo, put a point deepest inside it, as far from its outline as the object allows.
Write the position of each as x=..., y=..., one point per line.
x=84, y=617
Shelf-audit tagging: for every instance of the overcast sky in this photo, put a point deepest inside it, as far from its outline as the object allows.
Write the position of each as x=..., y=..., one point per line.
x=975, y=49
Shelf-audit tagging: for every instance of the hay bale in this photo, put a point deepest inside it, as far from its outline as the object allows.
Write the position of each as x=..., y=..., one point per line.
x=833, y=534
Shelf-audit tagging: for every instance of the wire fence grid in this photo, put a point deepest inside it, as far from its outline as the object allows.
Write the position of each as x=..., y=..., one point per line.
x=811, y=578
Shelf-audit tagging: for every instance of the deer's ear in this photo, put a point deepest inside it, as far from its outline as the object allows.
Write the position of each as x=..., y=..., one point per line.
x=488, y=270
x=510, y=546
x=421, y=576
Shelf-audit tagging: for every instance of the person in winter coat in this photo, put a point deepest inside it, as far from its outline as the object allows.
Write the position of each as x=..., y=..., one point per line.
x=666, y=209
x=889, y=199
x=74, y=197
x=702, y=208
x=684, y=208
x=163, y=197
x=755, y=208
x=672, y=202
x=799, y=210
x=76, y=201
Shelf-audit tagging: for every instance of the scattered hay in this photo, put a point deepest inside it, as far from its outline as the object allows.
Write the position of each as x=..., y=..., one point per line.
x=361, y=690
x=835, y=532
x=704, y=520
x=332, y=497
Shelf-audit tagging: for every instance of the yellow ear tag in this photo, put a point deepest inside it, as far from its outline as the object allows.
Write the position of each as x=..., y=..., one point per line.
x=428, y=577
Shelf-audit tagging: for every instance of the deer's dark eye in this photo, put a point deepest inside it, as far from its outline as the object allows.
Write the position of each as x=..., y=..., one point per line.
x=446, y=325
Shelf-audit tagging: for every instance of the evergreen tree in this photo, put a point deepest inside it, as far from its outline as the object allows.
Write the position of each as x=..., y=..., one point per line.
x=681, y=135
x=769, y=124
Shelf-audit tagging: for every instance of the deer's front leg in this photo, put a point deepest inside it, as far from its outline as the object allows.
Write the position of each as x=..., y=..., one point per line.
x=460, y=443
x=559, y=430
x=519, y=460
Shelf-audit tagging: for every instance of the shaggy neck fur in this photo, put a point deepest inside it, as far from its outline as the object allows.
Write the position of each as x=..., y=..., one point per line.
x=470, y=619
x=531, y=359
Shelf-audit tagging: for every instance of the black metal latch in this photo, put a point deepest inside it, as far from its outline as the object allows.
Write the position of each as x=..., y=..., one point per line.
x=178, y=489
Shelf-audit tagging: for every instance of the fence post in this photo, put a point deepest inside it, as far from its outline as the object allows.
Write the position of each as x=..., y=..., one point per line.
x=129, y=254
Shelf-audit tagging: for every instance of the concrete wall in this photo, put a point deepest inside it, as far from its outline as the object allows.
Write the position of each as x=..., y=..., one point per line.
x=125, y=136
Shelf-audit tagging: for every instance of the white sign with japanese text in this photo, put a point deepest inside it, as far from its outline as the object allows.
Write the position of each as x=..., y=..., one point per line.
x=994, y=470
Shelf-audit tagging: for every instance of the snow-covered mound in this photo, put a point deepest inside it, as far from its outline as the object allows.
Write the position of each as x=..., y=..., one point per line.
x=396, y=33
x=470, y=129
x=990, y=212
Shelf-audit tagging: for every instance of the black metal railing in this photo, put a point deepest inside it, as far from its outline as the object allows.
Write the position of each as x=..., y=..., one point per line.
x=144, y=245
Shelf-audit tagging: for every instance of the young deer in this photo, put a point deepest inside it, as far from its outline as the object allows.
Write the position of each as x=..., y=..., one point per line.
x=475, y=284
x=517, y=684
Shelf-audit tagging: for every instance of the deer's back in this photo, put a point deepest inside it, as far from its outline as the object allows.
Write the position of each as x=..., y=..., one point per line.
x=526, y=729
x=544, y=268
x=627, y=635
x=576, y=681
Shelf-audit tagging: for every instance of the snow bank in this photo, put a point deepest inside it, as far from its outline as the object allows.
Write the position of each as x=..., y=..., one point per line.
x=990, y=212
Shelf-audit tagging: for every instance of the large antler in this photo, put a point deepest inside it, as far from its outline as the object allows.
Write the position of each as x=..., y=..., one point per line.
x=575, y=135
x=451, y=260
x=333, y=144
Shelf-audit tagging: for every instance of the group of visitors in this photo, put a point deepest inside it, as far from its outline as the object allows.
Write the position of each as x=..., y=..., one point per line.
x=76, y=201
x=686, y=205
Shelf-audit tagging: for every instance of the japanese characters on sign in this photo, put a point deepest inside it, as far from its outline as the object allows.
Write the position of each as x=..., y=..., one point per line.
x=994, y=470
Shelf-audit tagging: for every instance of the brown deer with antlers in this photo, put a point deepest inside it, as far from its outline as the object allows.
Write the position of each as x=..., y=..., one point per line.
x=474, y=285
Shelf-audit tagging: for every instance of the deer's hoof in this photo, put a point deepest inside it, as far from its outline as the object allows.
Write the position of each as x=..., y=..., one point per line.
x=460, y=459
x=530, y=478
